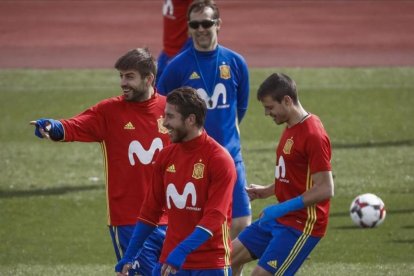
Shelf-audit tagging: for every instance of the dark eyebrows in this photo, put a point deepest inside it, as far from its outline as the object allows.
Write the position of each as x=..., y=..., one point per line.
x=127, y=74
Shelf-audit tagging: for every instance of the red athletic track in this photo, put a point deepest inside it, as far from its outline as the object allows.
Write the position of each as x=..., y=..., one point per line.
x=93, y=34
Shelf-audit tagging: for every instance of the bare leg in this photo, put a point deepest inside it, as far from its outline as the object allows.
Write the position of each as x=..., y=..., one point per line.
x=238, y=224
x=239, y=256
x=259, y=271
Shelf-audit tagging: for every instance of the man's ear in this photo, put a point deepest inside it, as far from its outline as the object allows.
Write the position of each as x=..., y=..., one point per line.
x=150, y=79
x=287, y=100
x=218, y=24
x=191, y=119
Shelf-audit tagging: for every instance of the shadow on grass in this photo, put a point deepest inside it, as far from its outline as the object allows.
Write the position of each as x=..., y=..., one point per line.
x=408, y=227
x=389, y=212
x=402, y=241
x=48, y=191
x=347, y=227
x=349, y=146
x=375, y=144
x=400, y=211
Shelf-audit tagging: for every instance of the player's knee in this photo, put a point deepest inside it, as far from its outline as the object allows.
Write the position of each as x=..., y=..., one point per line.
x=239, y=255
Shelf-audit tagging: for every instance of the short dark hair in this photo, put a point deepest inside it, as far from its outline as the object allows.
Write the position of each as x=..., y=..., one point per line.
x=139, y=59
x=188, y=102
x=200, y=5
x=278, y=85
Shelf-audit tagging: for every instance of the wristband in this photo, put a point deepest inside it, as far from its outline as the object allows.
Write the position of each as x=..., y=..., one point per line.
x=177, y=257
x=278, y=210
x=141, y=232
x=53, y=127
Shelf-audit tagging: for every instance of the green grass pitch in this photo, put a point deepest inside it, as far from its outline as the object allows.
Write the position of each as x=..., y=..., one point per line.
x=52, y=196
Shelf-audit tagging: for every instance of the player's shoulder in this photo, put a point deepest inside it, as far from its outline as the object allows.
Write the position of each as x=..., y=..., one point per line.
x=109, y=102
x=166, y=153
x=159, y=98
x=314, y=122
x=184, y=56
x=217, y=151
x=231, y=53
x=112, y=100
x=174, y=69
x=315, y=128
x=158, y=104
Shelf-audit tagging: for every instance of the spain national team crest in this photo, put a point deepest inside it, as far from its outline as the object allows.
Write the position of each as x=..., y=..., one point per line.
x=161, y=128
x=198, y=170
x=288, y=146
x=225, y=72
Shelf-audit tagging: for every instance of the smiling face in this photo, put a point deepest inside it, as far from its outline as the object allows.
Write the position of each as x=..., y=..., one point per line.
x=175, y=123
x=278, y=111
x=204, y=38
x=135, y=88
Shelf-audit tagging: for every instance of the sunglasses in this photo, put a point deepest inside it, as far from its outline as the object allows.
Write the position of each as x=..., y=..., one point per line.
x=206, y=24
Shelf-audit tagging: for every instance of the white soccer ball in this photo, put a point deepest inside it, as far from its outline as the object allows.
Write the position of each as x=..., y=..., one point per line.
x=367, y=211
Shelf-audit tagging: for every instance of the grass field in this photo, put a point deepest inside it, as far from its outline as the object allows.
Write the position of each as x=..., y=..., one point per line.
x=52, y=196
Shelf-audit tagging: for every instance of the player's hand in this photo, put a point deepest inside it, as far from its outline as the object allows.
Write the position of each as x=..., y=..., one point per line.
x=49, y=129
x=271, y=212
x=174, y=261
x=122, y=268
x=42, y=127
x=167, y=269
x=255, y=191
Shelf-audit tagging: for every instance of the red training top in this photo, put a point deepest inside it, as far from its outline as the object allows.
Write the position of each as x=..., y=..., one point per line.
x=194, y=182
x=131, y=135
x=175, y=25
x=303, y=150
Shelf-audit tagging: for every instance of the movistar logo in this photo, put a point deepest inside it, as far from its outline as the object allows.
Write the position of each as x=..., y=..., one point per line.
x=168, y=8
x=180, y=200
x=144, y=156
x=280, y=170
x=212, y=102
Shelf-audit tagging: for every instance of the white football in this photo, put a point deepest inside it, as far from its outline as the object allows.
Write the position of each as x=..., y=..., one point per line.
x=367, y=211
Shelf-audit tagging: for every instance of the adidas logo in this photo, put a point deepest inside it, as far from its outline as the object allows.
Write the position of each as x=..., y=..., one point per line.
x=171, y=168
x=194, y=75
x=129, y=126
x=272, y=263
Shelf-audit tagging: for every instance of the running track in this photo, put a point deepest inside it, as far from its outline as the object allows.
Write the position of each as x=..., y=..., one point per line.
x=93, y=34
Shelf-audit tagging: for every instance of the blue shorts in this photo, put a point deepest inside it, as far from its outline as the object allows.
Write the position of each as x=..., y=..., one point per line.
x=202, y=272
x=281, y=250
x=241, y=202
x=148, y=255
